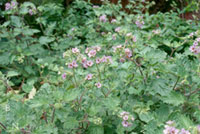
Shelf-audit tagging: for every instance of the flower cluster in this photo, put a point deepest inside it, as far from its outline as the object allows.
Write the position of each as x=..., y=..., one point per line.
x=139, y=22
x=73, y=64
x=11, y=5
x=129, y=35
x=195, y=48
x=171, y=129
x=127, y=119
x=126, y=52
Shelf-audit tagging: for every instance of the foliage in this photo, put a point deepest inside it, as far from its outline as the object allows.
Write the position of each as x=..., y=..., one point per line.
x=97, y=70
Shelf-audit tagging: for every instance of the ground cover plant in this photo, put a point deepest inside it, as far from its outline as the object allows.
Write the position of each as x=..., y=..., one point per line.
x=90, y=69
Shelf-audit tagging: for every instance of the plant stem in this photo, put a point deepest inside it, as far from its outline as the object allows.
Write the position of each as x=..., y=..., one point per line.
x=76, y=84
x=98, y=72
x=176, y=83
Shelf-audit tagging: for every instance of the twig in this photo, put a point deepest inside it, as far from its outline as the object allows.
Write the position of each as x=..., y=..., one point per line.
x=139, y=67
x=4, y=127
x=193, y=92
x=6, y=84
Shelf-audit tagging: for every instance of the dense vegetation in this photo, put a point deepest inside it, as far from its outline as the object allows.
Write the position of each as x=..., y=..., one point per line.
x=91, y=69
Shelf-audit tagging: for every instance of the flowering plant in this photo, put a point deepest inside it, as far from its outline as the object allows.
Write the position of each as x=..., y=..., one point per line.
x=98, y=70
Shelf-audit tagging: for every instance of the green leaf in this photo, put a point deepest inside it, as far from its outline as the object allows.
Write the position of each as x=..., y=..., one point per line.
x=71, y=95
x=96, y=130
x=12, y=73
x=174, y=98
x=146, y=117
x=71, y=123
x=45, y=40
x=16, y=21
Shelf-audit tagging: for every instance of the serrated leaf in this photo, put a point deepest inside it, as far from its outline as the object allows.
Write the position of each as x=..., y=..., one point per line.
x=174, y=98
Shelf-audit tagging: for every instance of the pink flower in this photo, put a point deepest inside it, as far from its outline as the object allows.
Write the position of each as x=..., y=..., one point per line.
x=98, y=60
x=195, y=43
x=128, y=52
x=86, y=50
x=103, y=33
x=198, y=128
x=113, y=21
x=170, y=130
x=125, y=117
x=98, y=85
x=7, y=6
x=126, y=124
x=132, y=118
x=103, y=18
x=139, y=23
x=183, y=131
x=85, y=65
x=89, y=77
x=191, y=35
x=64, y=76
x=129, y=34
x=198, y=39
x=72, y=29
x=70, y=65
x=89, y=63
x=74, y=64
x=117, y=29
x=75, y=50
x=134, y=39
x=114, y=37
x=84, y=60
x=95, y=6
x=13, y=4
x=170, y=122
x=92, y=53
x=30, y=11
x=97, y=48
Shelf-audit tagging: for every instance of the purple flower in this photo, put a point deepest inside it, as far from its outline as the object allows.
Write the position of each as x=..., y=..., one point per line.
x=128, y=52
x=92, y=53
x=195, y=43
x=139, y=23
x=64, y=76
x=13, y=4
x=198, y=128
x=95, y=6
x=113, y=20
x=74, y=64
x=89, y=77
x=114, y=37
x=75, y=50
x=183, y=131
x=89, y=63
x=170, y=130
x=170, y=122
x=117, y=29
x=98, y=60
x=129, y=34
x=7, y=6
x=134, y=39
x=70, y=65
x=125, y=117
x=103, y=18
x=30, y=11
x=126, y=124
x=122, y=60
x=98, y=85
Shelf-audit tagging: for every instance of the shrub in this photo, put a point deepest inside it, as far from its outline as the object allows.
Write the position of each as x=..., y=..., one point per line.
x=97, y=70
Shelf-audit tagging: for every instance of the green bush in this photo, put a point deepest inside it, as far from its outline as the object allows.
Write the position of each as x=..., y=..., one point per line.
x=98, y=70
